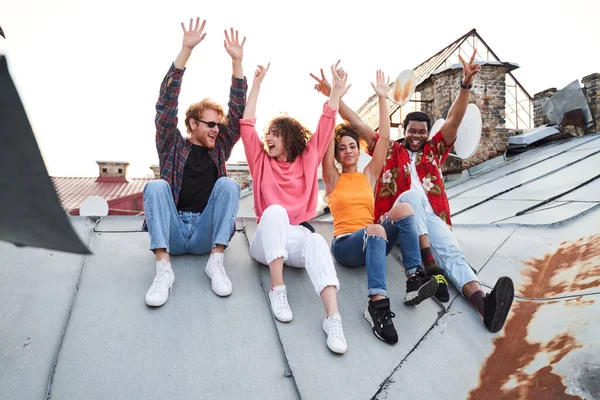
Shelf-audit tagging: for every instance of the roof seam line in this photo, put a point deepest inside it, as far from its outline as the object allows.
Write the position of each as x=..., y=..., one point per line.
x=526, y=183
x=68, y=318
x=382, y=386
x=496, y=250
x=287, y=368
x=508, y=163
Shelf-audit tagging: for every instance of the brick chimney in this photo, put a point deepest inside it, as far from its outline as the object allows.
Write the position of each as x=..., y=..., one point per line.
x=112, y=171
x=156, y=169
x=592, y=94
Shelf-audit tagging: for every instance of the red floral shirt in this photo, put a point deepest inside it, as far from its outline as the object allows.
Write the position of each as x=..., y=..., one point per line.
x=395, y=176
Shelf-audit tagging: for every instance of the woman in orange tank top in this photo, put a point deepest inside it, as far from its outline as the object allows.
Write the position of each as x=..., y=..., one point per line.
x=357, y=240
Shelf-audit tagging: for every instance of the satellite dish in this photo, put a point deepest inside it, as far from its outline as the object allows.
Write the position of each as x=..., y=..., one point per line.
x=94, y=206
x=404, y=87
x=436, y=127
x=469, y=133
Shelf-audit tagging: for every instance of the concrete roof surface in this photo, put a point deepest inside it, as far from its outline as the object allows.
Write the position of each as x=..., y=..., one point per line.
x=77, y=327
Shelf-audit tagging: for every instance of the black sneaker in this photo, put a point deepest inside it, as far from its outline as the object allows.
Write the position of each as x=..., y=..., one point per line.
x=378, y=314
x=497, y=304
x=419, y=287
x=442, y=291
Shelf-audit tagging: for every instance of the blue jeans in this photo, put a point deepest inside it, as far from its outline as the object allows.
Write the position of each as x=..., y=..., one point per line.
x=361, y=248
x=445, y=248
x=404, y=232
x=187, y=232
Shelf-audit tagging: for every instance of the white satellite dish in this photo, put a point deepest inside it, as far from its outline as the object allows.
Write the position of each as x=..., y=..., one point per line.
x=436, y=127
x=404, y=87
x=94, y=206
x=469, y=133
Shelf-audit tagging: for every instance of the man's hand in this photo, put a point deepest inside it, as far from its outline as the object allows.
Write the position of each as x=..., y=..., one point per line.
x=470, y=70
x=323, y=85
x=233, y=46
x=260, y=73
x=381, y=86
x=193, y=35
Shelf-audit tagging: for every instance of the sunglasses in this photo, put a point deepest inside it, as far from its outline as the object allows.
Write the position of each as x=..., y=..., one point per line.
x=210, y=124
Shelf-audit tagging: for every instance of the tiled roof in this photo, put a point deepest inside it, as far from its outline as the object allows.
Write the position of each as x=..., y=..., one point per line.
x=73, y=191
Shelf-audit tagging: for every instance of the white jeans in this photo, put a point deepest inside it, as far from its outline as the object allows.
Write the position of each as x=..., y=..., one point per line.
x=299, y=247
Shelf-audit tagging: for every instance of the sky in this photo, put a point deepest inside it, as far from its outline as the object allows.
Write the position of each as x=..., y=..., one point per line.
x=89, y=73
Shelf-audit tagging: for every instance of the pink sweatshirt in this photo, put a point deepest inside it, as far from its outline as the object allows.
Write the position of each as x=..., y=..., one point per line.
x=292, y=185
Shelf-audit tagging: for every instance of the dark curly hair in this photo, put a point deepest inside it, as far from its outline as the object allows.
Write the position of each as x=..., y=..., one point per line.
x=295, y=135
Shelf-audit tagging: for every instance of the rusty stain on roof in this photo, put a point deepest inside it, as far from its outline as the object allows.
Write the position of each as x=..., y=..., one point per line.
x=582, y=256
x=505, y=374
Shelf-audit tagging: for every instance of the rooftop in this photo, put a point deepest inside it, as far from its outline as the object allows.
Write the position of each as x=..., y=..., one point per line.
x=77, y=327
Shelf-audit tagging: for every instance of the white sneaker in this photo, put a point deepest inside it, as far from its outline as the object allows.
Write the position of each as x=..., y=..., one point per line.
x=335, y=333
x=279, y=304
x=215, y=270
x=158, y=293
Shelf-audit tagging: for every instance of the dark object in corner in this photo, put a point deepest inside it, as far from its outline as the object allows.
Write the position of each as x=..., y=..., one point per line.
x=30, y=213
x=2, y=33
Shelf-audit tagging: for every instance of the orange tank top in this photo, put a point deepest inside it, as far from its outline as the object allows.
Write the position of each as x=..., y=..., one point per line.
x=351, y=203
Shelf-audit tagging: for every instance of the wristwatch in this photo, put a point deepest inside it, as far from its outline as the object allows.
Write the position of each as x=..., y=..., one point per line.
x=465, y=86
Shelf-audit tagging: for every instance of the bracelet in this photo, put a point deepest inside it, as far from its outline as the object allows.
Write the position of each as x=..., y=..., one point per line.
x=465, y=86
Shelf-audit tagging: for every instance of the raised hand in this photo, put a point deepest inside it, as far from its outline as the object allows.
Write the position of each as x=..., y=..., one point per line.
x=470, y=70
x=339, y=80
x=323, y=85
x=233, y=46
x=381, y=86
x=194, y=34
x=260, y=73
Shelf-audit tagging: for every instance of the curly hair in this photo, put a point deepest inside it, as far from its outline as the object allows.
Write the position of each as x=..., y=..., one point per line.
x=195, y=111
x=295, y=135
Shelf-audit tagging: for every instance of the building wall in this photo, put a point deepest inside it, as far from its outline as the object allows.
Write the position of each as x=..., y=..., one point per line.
x=591, y=85
x=539, y=116
x=488, y=93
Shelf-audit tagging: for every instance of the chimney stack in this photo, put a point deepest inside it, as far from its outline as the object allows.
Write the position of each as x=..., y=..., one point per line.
x=112, y=171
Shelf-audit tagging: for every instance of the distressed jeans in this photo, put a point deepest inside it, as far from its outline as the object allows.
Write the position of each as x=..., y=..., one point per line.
x=361, y=248
x=445, y=248
x=187, y=232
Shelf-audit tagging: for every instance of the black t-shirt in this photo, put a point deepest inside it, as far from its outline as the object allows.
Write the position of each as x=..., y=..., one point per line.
x=199, y=177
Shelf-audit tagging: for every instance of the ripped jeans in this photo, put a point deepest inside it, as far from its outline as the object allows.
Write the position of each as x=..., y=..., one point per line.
x=360, y=248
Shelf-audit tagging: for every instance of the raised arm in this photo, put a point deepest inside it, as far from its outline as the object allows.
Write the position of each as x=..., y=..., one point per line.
x=229, y=136
x=328, y=168
x=373, y=169
x=253, y=146
x=348, y=114
x=459, y=107
x=326, y=124
x=259, y=75
x=167, y=104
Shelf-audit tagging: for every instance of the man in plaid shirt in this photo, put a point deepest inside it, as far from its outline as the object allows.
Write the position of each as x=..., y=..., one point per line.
x=192, y=208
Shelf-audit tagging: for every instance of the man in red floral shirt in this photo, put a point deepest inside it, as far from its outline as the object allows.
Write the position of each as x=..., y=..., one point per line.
x=412, y=175
x=192, y=208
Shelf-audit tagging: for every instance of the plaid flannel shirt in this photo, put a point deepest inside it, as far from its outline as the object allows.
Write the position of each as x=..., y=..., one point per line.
x=173, y=149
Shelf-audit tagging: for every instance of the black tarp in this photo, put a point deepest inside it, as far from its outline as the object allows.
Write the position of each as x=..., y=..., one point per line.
x=30, y=212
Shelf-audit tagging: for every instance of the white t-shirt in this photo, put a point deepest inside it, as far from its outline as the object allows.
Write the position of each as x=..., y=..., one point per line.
x=415, y=183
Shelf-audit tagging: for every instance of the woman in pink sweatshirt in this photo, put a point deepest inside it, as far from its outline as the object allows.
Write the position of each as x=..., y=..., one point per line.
x=284, y=174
